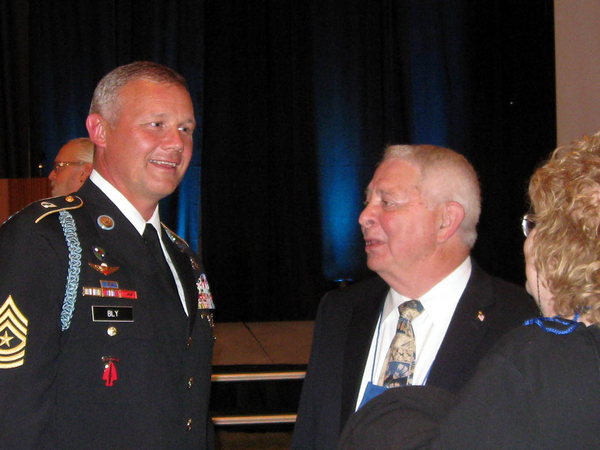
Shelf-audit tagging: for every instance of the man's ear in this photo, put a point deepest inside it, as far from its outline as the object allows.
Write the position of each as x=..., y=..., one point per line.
x=96, y=126
x=452, y=216
x=87, y=169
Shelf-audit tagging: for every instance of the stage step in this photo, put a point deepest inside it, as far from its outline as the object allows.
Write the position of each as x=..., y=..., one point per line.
x=258, y=371
x=256, y=395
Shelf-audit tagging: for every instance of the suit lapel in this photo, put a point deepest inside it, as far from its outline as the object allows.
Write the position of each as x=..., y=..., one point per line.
x=360, y=334
x=465, y=332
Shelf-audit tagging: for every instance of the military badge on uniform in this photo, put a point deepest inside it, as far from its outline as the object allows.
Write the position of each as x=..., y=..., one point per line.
x=106, y=222
x=208, y=316
x=109, y=289
x=104, y=268
x=13, y=335
x=99, y=253
x=110, y=370
x=205, y=300
x=194, y=263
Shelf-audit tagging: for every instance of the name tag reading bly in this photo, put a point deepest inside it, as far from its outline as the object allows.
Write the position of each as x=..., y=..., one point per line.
x=112, y=313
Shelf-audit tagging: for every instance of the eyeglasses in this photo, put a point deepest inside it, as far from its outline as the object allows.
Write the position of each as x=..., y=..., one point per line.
x=59, y=165
x=527, y=224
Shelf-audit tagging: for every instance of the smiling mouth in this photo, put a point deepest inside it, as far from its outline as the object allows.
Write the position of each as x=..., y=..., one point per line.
x=163, y=163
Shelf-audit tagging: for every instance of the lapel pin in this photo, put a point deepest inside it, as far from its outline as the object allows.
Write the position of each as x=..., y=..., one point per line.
x=480, y=316
x=47, y=205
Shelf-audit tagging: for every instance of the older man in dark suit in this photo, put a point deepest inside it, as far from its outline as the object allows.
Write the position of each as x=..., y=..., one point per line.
x=105, y=315
x=419, y=225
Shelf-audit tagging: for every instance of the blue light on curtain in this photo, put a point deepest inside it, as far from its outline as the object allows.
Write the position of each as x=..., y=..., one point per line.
x=338, y=143
x=340, y=208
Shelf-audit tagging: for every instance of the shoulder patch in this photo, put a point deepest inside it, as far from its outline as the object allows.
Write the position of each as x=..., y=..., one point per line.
x=13, y=335
x=58, y=204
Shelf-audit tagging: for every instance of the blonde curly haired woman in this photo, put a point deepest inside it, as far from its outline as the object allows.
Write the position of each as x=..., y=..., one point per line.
x=540, y=387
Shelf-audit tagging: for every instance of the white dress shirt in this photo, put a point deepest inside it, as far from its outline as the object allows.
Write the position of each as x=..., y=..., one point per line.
x=138, y=222
x=429, y=327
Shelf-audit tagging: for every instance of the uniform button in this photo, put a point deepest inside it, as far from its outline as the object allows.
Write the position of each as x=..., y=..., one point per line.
x=189, y=424
x=190, y=382
x=189, y=343
x=111, y=331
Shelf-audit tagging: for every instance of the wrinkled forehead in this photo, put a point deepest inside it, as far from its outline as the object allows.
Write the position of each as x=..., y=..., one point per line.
x=396, y=176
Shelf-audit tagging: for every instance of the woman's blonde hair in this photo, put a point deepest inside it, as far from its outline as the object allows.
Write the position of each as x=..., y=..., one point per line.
x=565, y=196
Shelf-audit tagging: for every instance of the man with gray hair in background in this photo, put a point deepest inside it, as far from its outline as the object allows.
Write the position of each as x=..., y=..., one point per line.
x=72, y=166
x=429, y=316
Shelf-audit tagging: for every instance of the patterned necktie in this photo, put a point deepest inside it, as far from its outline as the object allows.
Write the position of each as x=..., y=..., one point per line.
x=151, y=237
x=400, y=360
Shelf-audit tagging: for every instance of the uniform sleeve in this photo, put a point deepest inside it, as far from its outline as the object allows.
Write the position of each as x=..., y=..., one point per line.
x=496, y=410
x=32, y=286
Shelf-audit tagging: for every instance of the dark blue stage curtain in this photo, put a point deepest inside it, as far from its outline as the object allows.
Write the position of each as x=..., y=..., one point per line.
x=295, y=102
x=300, y=99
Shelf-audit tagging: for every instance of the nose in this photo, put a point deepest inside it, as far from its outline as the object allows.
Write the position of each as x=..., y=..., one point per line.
x=173, y=140
x=52, y=175
x=366, y=218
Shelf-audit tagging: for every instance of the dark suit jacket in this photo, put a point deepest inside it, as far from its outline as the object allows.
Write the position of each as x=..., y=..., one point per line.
x=59, y=397
x=346, y=321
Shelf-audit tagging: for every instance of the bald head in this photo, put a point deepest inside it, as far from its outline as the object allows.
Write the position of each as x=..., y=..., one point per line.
x=72, y=166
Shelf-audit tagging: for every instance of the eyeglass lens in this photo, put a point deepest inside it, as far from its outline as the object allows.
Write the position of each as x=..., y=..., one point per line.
x=527, y=224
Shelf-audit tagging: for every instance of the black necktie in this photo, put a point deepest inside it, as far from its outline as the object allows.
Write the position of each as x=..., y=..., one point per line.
x=151, y=237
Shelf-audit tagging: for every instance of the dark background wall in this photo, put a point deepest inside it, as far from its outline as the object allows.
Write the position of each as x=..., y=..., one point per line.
x=296, y=100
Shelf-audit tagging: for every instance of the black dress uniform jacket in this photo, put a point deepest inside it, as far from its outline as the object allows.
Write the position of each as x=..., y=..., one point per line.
x=131, y=370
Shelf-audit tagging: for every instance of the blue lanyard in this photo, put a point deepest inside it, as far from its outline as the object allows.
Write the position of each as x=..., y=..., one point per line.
x=376, y=344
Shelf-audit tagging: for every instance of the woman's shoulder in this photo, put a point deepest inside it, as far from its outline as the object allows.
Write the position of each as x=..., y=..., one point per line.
x=546, y=339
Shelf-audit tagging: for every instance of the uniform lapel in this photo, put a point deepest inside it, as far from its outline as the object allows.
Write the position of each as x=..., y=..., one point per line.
x=360, y=334
x=465, y=332
x=186, y=275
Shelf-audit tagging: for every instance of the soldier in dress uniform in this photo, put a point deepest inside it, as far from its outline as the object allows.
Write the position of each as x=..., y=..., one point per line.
x=106, y=330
